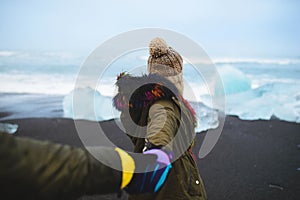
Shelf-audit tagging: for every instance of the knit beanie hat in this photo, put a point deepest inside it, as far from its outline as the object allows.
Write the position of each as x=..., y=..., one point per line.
x=165, y=61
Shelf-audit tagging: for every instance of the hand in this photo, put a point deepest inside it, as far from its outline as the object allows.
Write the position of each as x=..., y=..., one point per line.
x=153, y=168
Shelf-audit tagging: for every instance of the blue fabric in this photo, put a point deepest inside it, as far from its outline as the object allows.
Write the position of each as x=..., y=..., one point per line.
x=162, y=178
x=144, y=179
x=154, y=172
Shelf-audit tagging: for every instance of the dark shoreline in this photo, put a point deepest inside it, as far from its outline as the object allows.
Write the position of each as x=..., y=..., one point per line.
x=251, y=160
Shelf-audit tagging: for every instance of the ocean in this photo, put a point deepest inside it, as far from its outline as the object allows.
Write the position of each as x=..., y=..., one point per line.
x=42, y=84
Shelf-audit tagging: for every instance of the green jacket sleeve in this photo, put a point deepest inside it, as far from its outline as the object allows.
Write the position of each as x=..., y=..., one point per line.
x=162, y=123
x=33, y=169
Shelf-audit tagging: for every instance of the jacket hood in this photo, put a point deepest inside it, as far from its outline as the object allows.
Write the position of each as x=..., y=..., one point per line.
x=138, y=92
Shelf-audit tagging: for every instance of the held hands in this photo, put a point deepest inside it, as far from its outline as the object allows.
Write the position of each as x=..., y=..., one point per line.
x=151, y=171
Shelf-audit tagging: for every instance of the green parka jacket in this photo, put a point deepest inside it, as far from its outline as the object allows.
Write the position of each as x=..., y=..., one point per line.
x=32, y=169
x=156, y=116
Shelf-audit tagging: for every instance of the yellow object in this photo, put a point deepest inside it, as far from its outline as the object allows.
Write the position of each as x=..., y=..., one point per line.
x=128, y=167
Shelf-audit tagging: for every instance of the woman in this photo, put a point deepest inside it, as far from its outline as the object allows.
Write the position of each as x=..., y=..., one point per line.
x=156, y=116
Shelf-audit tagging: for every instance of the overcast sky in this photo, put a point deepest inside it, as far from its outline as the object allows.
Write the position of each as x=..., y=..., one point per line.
x=234, y=28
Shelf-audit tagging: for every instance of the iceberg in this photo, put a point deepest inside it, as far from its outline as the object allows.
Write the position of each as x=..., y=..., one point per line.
x=207, y=118
x=8, y=128
x=87, y=103
x=234, y=80
x=265, y=102
x=274, y=100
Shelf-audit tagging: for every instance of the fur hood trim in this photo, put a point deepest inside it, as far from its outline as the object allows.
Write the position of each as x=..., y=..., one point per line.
x=138, y=92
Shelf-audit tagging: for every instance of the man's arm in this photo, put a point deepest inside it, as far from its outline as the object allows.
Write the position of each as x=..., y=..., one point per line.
x=32, y=169
x=45, y=170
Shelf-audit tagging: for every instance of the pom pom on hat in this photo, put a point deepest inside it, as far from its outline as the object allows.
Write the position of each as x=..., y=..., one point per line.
x=165, y=61
x=158, y=47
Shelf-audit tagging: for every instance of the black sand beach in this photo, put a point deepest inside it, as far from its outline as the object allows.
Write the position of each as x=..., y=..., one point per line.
x=252, y=159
